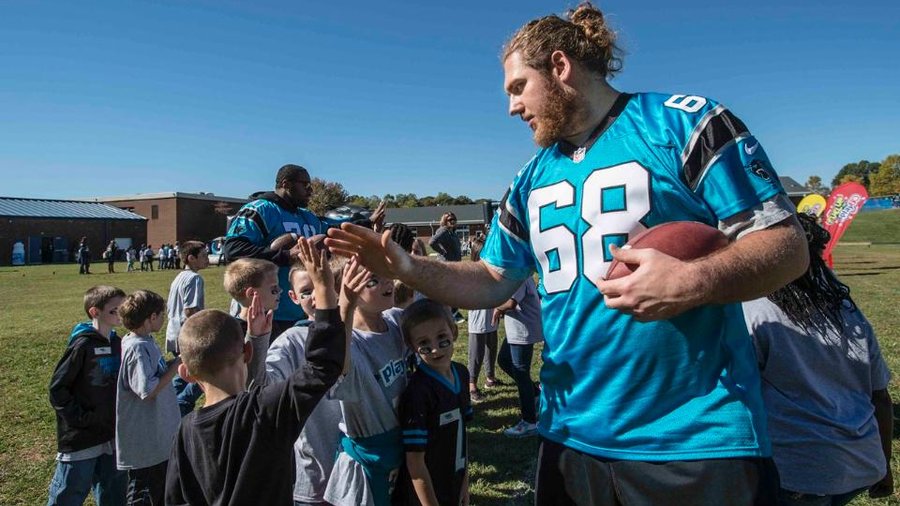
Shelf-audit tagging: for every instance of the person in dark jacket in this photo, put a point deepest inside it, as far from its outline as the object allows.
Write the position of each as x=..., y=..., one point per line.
x=445, y=240
x=269, y=216
x=83, y=394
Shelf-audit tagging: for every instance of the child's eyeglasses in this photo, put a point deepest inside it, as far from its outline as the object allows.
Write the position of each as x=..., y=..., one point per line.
x=428, y=350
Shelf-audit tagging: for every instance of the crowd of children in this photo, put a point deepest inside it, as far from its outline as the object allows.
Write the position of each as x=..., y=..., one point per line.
x=358, y=404
x=276, y=426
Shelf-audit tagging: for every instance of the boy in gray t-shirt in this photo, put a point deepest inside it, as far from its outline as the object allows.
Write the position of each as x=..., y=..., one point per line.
x=186, y=298
x=371, y=449
x=147, y=414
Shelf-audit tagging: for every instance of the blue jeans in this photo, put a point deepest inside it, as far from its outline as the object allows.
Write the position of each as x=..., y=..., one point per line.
x=72, y=482
x=515, y=360
x=187, y=394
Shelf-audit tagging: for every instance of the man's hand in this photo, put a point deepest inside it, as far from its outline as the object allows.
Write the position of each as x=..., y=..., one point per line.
x=660, y=288
x=259, y=321
x=377, y=252
x=885, y=487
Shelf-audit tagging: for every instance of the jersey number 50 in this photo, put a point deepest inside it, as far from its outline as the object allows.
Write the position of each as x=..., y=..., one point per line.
x=613, y=201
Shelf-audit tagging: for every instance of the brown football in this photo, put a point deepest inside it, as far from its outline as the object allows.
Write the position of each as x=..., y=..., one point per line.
x=684, y=240
x=283, y=241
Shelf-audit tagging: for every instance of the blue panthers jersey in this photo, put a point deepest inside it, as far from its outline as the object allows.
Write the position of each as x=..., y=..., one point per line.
x=681, y=389
x=261, y=222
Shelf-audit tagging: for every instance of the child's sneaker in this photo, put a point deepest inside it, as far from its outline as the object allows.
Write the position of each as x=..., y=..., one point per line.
x=476, y=397
x=521, y=429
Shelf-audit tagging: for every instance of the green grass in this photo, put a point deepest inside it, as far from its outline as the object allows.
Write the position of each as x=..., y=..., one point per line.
x=877, y=227
x=40, y=305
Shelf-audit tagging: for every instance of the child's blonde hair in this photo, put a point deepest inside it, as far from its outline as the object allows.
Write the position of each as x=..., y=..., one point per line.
x=246, y=273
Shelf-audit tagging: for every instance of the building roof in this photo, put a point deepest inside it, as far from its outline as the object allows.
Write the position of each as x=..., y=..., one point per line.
x=793, y=188
x=67, y=209
x=170, y=195
x=470, y=214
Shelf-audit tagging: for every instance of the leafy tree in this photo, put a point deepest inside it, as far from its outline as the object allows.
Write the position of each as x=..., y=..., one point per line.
x=814, y=183
x=407, y=200
x=861, y=170
x=851, y=178
x=326, y=195
x=887, y=180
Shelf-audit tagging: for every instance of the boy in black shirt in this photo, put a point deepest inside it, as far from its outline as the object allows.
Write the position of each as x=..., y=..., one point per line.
x=238, y=448
x=434, y=411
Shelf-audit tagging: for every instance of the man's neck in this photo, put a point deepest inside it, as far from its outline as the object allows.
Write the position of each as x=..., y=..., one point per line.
x=285, y=197
x=598, y=100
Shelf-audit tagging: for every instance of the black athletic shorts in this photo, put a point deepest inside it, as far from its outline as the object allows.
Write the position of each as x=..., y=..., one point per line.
x=568, y=477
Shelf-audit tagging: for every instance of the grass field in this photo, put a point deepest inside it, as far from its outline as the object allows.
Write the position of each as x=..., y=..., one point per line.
x=40, y=305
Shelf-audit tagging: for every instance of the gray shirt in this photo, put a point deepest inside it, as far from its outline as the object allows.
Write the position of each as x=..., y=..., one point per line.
x=315, y=449
x=186, y=292
x=369, y=395
x=145, y=427
x=523, y=324
x=817, y=387
x=446, y=243
x=480, y=321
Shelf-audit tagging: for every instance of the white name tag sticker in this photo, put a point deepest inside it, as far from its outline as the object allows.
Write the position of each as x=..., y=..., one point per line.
x=103, y=350
x=449, y=417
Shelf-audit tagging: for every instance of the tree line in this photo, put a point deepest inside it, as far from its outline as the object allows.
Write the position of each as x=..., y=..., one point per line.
x=879, y=178
x=328, y=195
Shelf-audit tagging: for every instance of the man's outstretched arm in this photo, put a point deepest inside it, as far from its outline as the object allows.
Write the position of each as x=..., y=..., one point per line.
x=470, y=285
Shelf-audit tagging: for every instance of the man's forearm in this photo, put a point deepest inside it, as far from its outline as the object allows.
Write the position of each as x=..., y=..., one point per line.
x=468, y=285
x=754, y=266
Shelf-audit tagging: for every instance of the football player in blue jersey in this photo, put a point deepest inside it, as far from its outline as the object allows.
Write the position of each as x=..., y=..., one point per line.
x=270, y=216
x=650, y=393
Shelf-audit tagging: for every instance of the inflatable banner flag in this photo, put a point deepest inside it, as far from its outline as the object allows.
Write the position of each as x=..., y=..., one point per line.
x=812, y=204
x=844, y=203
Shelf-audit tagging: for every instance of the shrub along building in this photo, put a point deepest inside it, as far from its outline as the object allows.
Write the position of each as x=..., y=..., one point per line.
x=48, y=231
x=178, y=216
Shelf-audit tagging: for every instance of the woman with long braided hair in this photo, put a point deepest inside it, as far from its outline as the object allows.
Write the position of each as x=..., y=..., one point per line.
x=824, y=386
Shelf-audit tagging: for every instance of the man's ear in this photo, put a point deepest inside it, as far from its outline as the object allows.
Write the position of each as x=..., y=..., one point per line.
x=560, y=66
x=248, y=352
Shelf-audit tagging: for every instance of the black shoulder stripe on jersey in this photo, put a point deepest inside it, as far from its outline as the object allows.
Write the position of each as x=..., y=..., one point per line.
x=509, y=222
x=718, y=131
x=253, y=215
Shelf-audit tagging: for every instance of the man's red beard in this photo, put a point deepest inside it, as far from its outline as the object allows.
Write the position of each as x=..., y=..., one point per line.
x=559, y=110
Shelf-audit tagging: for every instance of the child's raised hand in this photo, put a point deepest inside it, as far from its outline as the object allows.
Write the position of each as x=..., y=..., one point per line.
x=316, y=263
x=259, y=321
x=353, y=282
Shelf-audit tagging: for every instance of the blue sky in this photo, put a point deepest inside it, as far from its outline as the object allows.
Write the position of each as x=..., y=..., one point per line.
x=120, y=97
